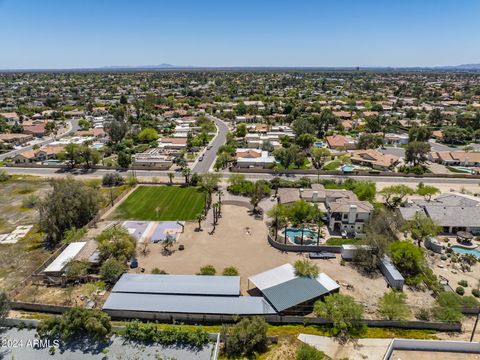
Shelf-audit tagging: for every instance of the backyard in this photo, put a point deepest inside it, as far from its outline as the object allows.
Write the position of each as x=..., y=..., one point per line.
x=158, y=203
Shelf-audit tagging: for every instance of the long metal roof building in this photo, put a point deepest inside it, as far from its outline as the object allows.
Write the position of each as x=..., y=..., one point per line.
x=190, y=304
x=178, y=284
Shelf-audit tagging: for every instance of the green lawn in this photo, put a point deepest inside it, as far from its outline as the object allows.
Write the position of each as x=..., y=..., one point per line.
x=333, y=165
x=161, y=203
x=336, y=241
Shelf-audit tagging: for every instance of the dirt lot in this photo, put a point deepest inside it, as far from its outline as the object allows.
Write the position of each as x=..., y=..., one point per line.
x=18, y=260
x=241, y=241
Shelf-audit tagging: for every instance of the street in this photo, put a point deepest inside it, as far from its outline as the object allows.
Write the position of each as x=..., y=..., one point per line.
x=210, y=154
x=73, y=128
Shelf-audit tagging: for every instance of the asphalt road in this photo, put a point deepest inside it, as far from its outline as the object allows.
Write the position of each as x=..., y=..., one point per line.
x=52, y=172
x=74, y=128
x=210, y=155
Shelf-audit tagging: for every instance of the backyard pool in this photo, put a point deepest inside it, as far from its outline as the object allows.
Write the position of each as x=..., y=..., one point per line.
x=461, y=250
x=295, y=236
x=346, y=168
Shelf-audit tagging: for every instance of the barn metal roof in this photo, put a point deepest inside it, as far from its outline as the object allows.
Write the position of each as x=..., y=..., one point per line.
x=178, y=284
x=192, y=304
x=294, y=292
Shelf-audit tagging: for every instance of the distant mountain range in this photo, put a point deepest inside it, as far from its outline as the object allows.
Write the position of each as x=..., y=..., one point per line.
x=462, y=67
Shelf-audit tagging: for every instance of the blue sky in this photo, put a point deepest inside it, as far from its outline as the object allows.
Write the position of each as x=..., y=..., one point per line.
x=91, y=33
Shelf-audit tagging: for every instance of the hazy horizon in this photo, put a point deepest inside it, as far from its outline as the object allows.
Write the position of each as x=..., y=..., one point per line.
x=54, y=34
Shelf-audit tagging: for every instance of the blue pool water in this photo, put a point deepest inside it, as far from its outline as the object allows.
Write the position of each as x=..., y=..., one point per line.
x=295, y=236
x=346, y=168
x=319, y=144
x=460, y=250
x=96, y=146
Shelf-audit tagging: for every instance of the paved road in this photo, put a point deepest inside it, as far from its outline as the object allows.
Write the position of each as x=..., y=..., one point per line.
x=210, y=155
x=73, y=129
x=51, y=172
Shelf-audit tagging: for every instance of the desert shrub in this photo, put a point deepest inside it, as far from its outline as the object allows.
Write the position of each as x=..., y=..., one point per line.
x=30, y=202
x=158, y=271
x=151, y=333
x=460, y=290
x=463, y=283
x=476, y=292
x=230, y=271
x=207, y=270
x=4, y=176
x=111, y=270
x=307, y=352
x=423, y=314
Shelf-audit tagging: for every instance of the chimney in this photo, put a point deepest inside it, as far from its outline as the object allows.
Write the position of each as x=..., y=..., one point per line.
x=315, y=196
x=352, y=214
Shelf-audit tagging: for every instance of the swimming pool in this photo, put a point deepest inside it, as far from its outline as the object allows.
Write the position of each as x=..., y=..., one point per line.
x=461, y=250
x=347, y=168
x=295, y=236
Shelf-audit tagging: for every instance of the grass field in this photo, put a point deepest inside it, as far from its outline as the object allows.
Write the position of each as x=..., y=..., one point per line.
x=161, y=203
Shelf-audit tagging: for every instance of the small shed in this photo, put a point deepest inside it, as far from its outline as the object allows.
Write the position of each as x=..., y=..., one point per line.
x=69, y=253
x=391, y=273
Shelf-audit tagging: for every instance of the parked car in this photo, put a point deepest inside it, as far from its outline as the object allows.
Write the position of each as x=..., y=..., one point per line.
x=200, y=158
x=133, y=263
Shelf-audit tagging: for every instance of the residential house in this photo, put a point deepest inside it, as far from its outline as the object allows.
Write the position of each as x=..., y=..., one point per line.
x=343, y=209
x=341, y=142
x=452, y=212
x=15, y=139
x=172, y=143
x=455, y=158
x=11, y=117
x=47, y=152
x=374, y=159
x=153, y=158
x=396, y=139
x=251, y=158
x=37, y=130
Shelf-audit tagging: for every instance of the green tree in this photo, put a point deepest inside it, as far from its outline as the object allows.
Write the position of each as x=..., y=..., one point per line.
x=148, y=135
x=84, y=124
x=427, y=191
x=209, y=183
x=111, y=270
x=259, y=191
x=343, y=312
x=395, y=194
x=241, y=130
x=70, y=204
x=421, y=134
x=393, y=306
x=76, y=269
x=246, y=337
x=435, y=117
x=75, y=323
x=88, y=156
x=306, y=268
x=421, y=227
x=369, y=141
x=417, y=152
x=305, y=141
x=319, y=156
x=71, y=154
x=116, y=130
x=124, y=159
x=116, y=242
x=279, y=214
x=408, y=258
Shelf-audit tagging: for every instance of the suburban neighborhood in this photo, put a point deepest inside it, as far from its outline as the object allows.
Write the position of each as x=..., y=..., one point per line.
x=270, y=196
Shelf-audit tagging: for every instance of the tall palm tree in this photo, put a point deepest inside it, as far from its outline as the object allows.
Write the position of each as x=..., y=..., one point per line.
x=200, y=218
x=186, y=171
x=170, y=177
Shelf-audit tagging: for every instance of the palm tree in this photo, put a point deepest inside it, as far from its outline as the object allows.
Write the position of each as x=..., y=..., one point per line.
x=200, y=218
x=170, y=177
x=220, y=194
x=186, y=172
x=279, y=215
x=305, y=268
